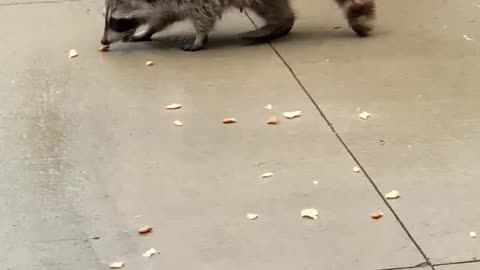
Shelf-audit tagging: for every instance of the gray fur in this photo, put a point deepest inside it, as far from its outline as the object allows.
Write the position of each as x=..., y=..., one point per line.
x=156, y=15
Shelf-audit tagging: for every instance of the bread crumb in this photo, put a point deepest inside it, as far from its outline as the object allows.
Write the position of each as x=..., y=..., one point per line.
x=105, y=48
x=73, y=53
x=310, y=213
x=173, y=106
x=291, y=115
x=394, y=194
x=229, y=120
x=376, y=215
x=272, y=120
x=178, y=123
x=364, y=115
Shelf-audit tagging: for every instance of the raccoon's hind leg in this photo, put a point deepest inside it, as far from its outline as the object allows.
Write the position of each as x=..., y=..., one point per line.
x=360, y=15
x=279, y=19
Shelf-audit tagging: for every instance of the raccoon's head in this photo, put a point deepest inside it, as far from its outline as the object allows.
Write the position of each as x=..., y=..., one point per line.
x=122, y=17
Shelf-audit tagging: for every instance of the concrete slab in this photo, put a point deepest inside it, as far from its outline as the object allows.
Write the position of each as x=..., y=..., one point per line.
x=89, y=151
x=417, y=76
x=467, y=266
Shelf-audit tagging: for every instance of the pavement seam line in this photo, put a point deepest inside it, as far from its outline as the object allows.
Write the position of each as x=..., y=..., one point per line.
x=419, y=266
x=457, y=263
x=38, y=2
x=405, y=268
x=349, y=151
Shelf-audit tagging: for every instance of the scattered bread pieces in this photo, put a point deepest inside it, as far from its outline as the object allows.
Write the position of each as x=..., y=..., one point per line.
x=356, y=169
x=315, y=182
x=229, y=120
x=149, y=63
x=178, y=123
x=73, y=53
x=149, y=253
x=310, y=213
x=268, y=107
x=292, y=115
x=364, y=115
x=173, y=106
x=267, y=175
x=116, y=265
x=376, y=215
x=272, y=120
x=105, y=48
x=145, y=230
x=473, y=235
x=394, y=194
x=252, y=216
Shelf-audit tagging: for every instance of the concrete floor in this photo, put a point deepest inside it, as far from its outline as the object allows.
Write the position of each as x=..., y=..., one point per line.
x=88, y=149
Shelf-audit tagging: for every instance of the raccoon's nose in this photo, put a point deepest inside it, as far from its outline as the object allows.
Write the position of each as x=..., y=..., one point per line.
x=105, y=42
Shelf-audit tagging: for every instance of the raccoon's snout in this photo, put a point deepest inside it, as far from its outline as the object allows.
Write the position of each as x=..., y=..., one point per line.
x=105, y=41
x=110, y=37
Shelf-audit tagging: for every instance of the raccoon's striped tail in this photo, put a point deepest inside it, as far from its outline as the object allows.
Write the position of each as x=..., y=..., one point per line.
x=360, y=15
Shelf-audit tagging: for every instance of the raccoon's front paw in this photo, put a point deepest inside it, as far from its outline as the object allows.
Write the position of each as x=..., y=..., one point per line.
x=191, y=44
x=141, y=38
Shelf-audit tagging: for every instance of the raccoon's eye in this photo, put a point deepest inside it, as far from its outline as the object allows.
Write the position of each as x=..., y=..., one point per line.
x=123, y=25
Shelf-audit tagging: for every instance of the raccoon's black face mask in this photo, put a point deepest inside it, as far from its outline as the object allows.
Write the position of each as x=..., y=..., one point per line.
x=123, y=25
x=117, y=28
x=123, y=17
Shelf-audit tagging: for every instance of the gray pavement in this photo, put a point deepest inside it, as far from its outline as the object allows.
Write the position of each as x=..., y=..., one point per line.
x=88, y=149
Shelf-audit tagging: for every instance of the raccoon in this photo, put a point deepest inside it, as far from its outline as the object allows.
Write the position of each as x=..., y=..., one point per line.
x=123, y=18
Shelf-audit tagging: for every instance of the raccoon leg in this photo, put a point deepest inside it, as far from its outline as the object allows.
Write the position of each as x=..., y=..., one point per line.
x=155, y=26
x=360, y=15
x=145, y=36
x=279, y=19
x=203, y=26
x=196, y=43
